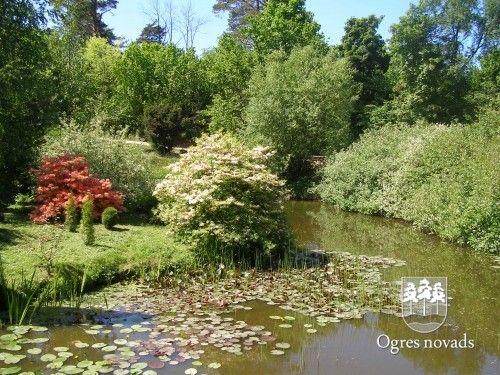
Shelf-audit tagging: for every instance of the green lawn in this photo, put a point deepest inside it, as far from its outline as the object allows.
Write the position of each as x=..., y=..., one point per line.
x=135, y=249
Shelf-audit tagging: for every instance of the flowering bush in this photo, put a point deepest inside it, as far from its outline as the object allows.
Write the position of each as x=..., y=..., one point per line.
x=221, y=198
x=61, y=176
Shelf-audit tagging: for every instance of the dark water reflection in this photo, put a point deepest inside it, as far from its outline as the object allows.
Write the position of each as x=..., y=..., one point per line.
x=473, y=285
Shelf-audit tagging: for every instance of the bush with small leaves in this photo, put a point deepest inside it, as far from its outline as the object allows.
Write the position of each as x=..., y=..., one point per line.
x=71, y=214
x=109, y=217
x=87, y=221
x=221, y=198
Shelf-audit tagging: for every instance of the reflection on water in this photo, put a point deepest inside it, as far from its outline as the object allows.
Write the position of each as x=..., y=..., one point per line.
x=473, y=285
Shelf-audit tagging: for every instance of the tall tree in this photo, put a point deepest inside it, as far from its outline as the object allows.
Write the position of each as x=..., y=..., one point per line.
x=152, y=33
x=283, y=25
x=239, y=12
x=365, y=49
x=84, y=18
x=432, y=48
x=26, y=91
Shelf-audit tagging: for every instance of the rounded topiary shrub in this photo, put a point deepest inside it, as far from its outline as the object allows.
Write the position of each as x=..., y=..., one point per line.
x=221, y=198
x=109, y=217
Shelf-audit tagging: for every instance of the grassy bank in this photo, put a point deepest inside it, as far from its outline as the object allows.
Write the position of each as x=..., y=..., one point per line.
x=135, y=249
x=444, y=179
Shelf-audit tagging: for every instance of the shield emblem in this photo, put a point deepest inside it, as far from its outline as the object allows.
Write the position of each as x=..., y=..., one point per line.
x=424, y=302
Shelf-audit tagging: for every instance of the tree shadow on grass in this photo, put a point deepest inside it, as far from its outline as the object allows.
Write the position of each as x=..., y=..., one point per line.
x=9, y=236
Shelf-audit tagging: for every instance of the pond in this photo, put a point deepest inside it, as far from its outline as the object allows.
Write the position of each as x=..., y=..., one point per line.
x=133, y=333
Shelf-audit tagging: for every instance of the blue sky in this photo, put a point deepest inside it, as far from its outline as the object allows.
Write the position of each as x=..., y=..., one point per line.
x=129, y=18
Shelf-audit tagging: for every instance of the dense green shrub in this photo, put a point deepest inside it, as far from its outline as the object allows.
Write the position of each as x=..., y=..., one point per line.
x=443, y=179
x=109, y=157
x=149, y=73
x=87, y=222
x=71, y=214
x=221, y=198
x=168, y=125
x=301, y=106
x=109, y=217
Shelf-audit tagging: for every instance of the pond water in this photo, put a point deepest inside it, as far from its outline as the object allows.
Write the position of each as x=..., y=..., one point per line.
x=263, y=338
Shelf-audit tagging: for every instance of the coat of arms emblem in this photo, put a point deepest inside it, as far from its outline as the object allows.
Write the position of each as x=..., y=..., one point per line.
x=424, y=302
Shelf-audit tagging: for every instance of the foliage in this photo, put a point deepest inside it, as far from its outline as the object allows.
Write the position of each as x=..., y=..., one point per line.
x=168, y=125
x=152, y=33
x=149, y=73
x=443, y=179
x=365, y=50
x=58, y=177
x=26, y=106
x=114, y=158
x=220, y=198
x=83, y=19
x=228, y=68
x=87, y=222
x=432, y=47
x=283, y=25
x=239, y=12
x=71, y=214
x=300, y=106
x=109, y=217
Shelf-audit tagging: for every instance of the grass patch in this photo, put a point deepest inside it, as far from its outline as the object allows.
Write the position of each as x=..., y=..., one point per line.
x=134, y=249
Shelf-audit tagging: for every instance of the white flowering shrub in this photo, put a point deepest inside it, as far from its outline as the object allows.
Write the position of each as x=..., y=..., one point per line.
x=221, y=198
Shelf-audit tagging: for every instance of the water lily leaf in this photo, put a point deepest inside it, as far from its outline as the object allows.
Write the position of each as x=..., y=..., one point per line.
x=277, y=352
x=149, y=372
x=81, y=345
x=84, y=364
x=40, y=340
x=285, y=325
x=139, y=366
x=214, y=365
x=109, y=348
x=34, y=351
x=120, y=342
x=197, y=363
x=71, y=370
x=282, y=345
x=92, y=331
x=48, y=358
x=311, y=330
x=191, y=371
x=61, y=349
x=10, y=370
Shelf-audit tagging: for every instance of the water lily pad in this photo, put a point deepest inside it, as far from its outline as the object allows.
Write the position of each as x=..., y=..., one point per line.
x=10, y=370
x=120, y=342
x=48, y=358
x=84, y=364
x=81, y=345
x=71, y=370
x=277, y=352
x=285, y=325
x=39, y=340
x=109, y=348
x=311, y=330
x=282, y=345
x=214, y=365
x=139, y=366
x=92, y=331
x=149, y=372
x=197, y=363
x=61, y=349
x=34, y=351
x=191, y=371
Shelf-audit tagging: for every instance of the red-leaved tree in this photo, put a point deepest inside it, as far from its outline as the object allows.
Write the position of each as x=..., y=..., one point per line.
x=60, y=176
